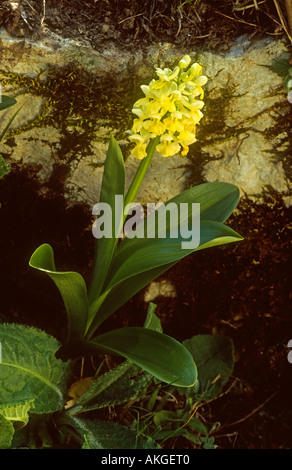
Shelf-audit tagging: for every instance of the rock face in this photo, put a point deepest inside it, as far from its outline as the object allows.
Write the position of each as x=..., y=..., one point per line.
x=77, y=97
x=255, y=145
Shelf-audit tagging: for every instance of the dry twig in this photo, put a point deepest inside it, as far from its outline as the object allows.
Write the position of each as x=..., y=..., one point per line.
x=288, y=5
x=282, y=18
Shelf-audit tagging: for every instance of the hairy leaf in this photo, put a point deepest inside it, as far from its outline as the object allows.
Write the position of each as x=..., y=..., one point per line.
x=17, y=412
x=117, y=386
x=108, y=435
x=29, y=369
x=6, y=432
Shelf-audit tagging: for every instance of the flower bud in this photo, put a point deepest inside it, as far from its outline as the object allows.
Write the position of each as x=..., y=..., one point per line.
x=184, y=62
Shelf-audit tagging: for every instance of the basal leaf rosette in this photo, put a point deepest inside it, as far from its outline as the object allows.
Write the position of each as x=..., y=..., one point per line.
x=171, y=110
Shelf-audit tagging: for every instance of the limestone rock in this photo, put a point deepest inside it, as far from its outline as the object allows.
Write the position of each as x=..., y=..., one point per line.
x=243, y=137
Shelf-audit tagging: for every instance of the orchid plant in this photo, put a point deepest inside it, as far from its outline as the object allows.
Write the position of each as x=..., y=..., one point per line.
x=166, y=120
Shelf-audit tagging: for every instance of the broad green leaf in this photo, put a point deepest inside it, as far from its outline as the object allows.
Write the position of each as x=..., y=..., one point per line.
x=108, y=435
x=133, y=270
x=29, y=370
x=114, y=387
x=72, y=288
x=154, y=252
x=17, y=412
x=214, y=359
x=6, y=432
x=159, y=354
x=3, y=168
x=217, y=201
x=113, y=183
x=6, y=102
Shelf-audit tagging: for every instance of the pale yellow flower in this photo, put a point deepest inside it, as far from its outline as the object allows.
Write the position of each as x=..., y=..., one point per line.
x=169, y=110
x=168, y=149
x=140, y=151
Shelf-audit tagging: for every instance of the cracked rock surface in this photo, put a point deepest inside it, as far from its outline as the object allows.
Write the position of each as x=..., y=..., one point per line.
x=244, y=137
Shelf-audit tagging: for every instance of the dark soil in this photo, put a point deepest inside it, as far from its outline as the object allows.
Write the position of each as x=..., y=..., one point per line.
x=241, y=291
x=132, y=22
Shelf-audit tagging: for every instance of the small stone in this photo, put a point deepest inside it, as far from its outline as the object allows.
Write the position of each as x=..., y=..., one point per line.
x=105, y=28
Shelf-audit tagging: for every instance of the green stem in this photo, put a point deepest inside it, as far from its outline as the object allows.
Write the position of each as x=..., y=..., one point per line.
x=142, y=169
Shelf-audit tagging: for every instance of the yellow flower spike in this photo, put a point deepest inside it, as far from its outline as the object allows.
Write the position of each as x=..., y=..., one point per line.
x=170, y=110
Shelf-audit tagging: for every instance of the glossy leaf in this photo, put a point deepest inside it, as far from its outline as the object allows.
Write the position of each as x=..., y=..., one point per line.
x=113, y=183
x=71, y=286
x=159, y=354
x=133, y=270
x=217, y=201
x=155, y=252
